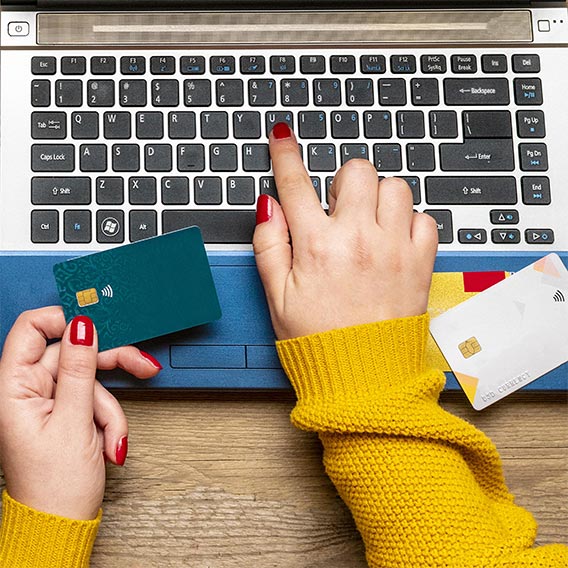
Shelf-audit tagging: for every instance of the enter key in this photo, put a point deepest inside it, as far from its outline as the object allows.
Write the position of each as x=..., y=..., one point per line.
x=478, y=155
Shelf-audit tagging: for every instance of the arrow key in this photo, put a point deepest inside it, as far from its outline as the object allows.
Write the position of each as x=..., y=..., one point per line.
x=505, y=236
x=504, y=216
x=472, y=236
x=539, y=236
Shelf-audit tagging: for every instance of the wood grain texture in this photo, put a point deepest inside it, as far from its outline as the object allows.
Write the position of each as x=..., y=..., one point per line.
x=224, y=481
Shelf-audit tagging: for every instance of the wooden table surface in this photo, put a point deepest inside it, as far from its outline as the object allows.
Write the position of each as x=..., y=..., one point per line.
x=224, y=481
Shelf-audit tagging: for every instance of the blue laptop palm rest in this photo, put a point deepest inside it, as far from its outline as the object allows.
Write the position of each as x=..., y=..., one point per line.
x=236, y=352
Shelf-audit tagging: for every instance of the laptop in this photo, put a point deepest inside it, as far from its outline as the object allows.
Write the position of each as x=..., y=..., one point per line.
x=124, y=120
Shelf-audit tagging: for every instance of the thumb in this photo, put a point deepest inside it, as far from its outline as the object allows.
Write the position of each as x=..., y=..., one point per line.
x=77, y=368
x=272, y=249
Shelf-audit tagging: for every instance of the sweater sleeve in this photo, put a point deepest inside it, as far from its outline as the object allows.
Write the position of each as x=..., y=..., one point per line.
x=30, y=539
x=425, y=488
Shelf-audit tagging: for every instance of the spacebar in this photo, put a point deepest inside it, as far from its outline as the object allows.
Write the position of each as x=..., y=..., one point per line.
x=217, y=225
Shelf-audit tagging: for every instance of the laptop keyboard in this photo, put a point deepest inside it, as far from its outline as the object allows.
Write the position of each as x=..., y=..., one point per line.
x=127, y=147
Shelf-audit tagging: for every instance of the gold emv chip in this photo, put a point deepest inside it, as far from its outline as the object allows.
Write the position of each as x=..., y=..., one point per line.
x=87, y=297
x=469, y=347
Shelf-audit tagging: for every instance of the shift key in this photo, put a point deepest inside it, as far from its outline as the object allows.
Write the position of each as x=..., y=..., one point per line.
x=490, y=155
x=53, y=158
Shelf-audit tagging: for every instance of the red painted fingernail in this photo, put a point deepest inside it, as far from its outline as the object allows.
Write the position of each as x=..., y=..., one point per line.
x=152, y=360
x=121, y=451
x=263, y=209
x=281, y=131
x=82, y=331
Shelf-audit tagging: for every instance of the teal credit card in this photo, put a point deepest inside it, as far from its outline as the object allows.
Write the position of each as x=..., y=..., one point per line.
x=141, y=290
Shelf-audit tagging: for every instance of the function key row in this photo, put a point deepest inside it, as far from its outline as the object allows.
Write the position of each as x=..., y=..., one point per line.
x=284, y=64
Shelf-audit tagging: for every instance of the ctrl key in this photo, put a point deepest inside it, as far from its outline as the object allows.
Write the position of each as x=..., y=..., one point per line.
x=443, y=218
x=45, y=226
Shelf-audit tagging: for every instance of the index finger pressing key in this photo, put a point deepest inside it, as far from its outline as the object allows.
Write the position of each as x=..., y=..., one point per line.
x=299, y=201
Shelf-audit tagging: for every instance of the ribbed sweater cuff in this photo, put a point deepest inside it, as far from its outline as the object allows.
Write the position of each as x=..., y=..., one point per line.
x=30, y=539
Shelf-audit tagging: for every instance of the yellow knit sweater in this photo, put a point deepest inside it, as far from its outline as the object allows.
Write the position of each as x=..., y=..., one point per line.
x=426, y=489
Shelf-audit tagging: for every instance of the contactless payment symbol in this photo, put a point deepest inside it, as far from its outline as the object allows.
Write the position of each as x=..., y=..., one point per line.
x=469, y=347
x=87, y=297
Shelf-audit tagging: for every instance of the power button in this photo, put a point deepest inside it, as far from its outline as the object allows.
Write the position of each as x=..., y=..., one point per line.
x=18, y=29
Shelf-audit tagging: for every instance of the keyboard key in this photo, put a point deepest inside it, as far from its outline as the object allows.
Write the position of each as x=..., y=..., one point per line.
x=410, y=124
x=134, y=65
x=476, y=91
x=433, y=63
x=373, y=64
x=392, y=92
x=359, y=92
x=458, y=190
x=223, y=158
x=61, y=191
x=273, y=118
x=192, y=65
x=316, y=183
x=246, y=124
x=311, y=124
x=181, y=125
x=443, y=219
x=158, y=158
x=142, y=191
x=344, y=124
x=149, y=125
x=262, y=92
x=327, y=92
x=77, y=226
x=117, y=125
x=476, y=154
x=110, y=226
x=165, y=93
x=217, y=225
x=53, y=158
x=504, y=216
x=539, y=236
x=425, y=92
x=526, y=63
x=294, y=92
x=256, y=158
x=126, y=157
x=443, y=124
x=530, y=124
x=252, y=64
x=73, y=65
x=321, y=158
x=45, y=226
x=68, y=93
x=528, y=91
x=534, y=157
x=110, y=190
x=49, y=125
x=414, y=184
x=403, y=63
x=240, y=190
x=505, y=236
x=103, y=65
x=175, y=191
x=41, y=93
x=282, y=64
x=43, y=65
x=535, y=190
x=162, y=65
x=214, y=125
x=494, y=63
x=487, y=124
x=222, y=64
x=420, y=157
x=143, y=225
x=197, y=92
x=387, y=157
x=268, y=186
x=377, y=124
x=472, y=236
x=464, y=64
x=93, y=157
x=85, y=125
x=100, y=93
x=191, y=157
x=208, y=191
x=132, y=92
x=341, y=64
x=229, y=92
x=351, y=151
x=312, y=64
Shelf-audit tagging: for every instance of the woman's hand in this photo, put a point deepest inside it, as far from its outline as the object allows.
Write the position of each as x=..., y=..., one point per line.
x=55, y=418
x=371, y=259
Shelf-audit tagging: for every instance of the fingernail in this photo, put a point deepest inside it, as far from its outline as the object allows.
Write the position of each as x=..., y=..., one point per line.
x=121, y=451
x=82, y=331
x=263, y=209
x=281, y=131
x=152, y=360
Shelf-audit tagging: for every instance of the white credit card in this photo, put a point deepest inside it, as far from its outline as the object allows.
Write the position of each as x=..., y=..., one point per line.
x=509, y=335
